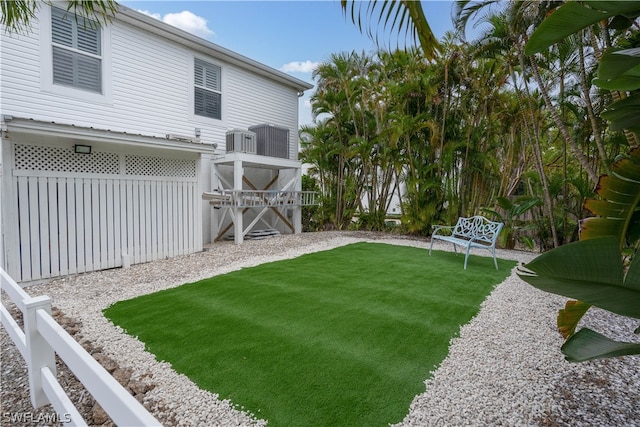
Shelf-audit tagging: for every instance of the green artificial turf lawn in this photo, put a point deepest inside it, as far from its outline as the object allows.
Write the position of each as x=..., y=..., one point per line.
x=344, y=337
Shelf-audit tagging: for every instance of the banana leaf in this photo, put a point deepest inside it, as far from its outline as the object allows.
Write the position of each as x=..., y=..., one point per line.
x=590, y=271
x=617, y=209
x=587, y=344
x=615, y=63
x=572, y=17
x=623, y=114
x=619, y=83
x=569, y=317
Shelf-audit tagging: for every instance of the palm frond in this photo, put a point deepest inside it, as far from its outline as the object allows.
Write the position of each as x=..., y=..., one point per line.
x=404, y=17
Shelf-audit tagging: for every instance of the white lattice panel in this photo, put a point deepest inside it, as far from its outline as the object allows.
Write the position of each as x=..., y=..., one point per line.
x=62, y=159
x=159, y=166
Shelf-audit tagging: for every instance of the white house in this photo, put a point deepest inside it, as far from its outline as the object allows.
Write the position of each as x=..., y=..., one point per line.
x=114, y=144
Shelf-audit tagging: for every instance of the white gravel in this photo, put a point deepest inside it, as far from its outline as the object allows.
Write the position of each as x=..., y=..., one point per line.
x=504, y=368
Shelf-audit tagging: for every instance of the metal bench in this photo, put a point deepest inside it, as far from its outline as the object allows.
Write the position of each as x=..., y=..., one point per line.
x=473, y=232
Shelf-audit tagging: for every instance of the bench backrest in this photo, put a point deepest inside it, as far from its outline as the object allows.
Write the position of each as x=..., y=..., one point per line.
x=479, y=228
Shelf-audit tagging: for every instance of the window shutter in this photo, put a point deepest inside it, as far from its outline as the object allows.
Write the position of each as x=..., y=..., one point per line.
x=199, y=73
x=212, y=77
x=207, y=96
x=61, y=28
x=207, y=75
x=74, y=44
x=89, y=73
x=62, y=66
x=89, y=40
x=207, y=103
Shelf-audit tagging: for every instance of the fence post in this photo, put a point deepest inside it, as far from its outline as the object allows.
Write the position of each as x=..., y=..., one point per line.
x=39, y=353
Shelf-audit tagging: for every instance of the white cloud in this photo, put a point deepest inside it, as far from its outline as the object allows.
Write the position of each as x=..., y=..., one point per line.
x=185, y=20
x=299, y=67
x=153, y=15
x=190, y=22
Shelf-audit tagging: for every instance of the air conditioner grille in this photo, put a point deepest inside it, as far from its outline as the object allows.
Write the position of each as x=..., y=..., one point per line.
x=241, y=141
x=272, y=140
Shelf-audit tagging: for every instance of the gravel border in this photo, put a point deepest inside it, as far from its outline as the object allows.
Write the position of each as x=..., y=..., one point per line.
x=504, y=368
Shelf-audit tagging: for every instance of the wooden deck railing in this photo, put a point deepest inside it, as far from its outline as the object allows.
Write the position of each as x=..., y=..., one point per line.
x=38, y=343
x=260, y=198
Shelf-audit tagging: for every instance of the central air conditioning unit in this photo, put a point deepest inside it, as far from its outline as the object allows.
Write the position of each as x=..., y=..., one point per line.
x=241, y=141
x=272, y=140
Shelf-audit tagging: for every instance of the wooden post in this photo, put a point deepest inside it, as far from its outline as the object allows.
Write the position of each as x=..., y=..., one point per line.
x=297, y=210
x=10, y=256
x=238, y=229
x=39, y=353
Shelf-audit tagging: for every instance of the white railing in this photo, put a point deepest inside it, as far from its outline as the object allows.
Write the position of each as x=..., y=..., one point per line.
x=260, y=198
x=38, y=343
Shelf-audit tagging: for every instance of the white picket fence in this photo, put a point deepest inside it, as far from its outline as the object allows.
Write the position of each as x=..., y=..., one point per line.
x=38, y=343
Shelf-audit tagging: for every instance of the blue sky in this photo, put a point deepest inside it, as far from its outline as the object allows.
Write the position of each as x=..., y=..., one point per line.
x=291, y=36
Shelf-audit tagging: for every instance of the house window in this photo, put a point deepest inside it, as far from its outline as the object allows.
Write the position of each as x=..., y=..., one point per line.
x=207, y=90
x=77, y=56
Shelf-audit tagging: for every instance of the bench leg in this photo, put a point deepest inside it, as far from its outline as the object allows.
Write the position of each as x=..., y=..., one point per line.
x=466, y=258
x=495, y=261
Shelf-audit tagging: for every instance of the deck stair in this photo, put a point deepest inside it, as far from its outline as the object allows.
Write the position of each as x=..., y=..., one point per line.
x=257, y=234
x=252, y=191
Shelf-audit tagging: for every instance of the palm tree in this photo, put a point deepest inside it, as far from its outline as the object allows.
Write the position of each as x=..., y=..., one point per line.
x=320, y=149
x=402, y=15
x=505, y=39
x=339, y=95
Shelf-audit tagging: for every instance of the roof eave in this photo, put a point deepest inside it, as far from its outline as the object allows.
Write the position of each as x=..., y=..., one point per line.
x=37, y=127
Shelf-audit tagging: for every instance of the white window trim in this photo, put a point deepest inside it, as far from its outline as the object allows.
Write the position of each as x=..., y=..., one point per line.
x=223, y=94
x=46, y=65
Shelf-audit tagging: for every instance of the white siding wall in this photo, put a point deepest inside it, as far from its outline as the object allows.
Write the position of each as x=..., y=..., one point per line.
x=262, y=102
x=150, y=92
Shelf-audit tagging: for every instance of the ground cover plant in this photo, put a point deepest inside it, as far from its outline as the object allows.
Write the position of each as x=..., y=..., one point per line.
x=339, y=337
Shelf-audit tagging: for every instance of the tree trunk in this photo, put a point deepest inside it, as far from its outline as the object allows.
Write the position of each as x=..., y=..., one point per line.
x=537, y=155
x=564, y=132
x=595, y=127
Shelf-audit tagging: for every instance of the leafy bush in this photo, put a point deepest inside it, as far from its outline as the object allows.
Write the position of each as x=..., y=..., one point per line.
x=593, y=270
